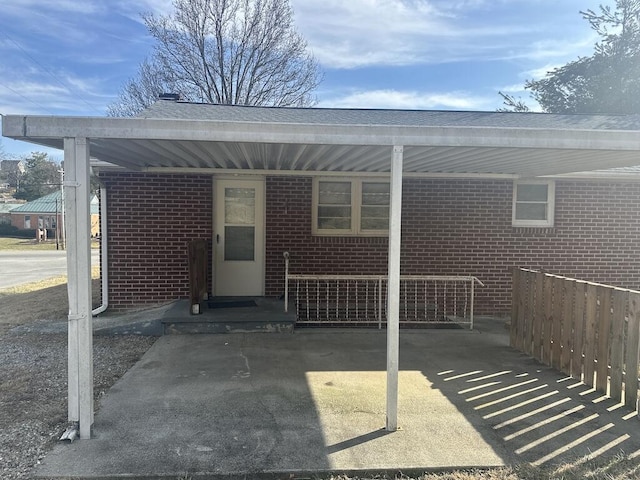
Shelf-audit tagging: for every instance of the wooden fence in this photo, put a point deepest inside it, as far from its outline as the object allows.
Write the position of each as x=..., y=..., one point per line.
x=586, y=330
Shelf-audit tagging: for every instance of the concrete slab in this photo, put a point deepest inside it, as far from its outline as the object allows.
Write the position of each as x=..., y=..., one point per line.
x=314, y=401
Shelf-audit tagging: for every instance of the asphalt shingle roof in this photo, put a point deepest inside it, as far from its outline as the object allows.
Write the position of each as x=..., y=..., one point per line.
x=165, y=109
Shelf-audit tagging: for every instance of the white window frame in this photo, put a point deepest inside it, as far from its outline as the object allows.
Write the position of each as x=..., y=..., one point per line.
x=356, y=205
x=551, y=201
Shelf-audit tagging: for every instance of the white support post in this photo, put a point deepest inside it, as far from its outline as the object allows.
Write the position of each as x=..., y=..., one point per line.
x=80, y=355
x=393, y=289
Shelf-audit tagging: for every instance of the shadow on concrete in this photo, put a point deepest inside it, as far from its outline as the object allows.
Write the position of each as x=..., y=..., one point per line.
x=314, y=401
x=540, y=415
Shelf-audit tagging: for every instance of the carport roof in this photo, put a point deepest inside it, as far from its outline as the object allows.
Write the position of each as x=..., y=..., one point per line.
x=189, y=137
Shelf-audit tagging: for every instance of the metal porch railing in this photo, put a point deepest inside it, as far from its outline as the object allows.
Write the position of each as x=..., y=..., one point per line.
x=361, y=300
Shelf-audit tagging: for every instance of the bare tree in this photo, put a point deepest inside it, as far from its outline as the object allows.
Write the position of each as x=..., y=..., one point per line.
x=236, y=52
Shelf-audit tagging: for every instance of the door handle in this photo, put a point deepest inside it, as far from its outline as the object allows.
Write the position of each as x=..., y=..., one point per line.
x=218, y=239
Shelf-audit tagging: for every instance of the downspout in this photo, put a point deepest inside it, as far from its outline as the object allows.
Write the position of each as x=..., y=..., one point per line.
x=104, y=265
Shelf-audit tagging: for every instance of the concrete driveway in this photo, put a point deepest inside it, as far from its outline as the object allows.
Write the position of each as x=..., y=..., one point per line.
x=314, y=401
x=24, y=266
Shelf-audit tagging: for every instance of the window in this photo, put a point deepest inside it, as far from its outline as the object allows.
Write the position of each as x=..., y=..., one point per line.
x=533, y=203
x=27, y=221
x=350, y=206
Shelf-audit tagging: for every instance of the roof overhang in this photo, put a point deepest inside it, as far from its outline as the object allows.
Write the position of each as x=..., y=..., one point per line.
x=197, y=145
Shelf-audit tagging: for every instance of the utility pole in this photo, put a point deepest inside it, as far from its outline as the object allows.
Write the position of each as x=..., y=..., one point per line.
x=62, y=235
x=57, y=226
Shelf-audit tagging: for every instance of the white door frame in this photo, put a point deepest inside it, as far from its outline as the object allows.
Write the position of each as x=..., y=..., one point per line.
x=260, y=242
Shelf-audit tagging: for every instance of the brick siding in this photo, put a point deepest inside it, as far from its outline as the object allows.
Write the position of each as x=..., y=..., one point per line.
x=463, y=227
x=151, y=218
x=449, y=227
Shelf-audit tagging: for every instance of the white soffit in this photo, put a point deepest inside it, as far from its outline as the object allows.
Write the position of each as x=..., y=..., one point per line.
x=143, y=144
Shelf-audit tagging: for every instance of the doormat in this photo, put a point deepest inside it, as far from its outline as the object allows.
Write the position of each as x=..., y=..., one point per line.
x=231, y=303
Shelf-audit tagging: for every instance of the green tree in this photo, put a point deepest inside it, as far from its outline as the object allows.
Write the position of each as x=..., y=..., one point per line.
x=235, y=52
x=512, y=104
x=40, y=178
x=608, y=81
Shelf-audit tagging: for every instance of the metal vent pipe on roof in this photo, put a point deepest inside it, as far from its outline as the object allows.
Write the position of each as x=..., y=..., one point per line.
x=170, y=96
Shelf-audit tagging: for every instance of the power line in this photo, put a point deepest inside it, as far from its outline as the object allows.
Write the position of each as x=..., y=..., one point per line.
x=27, y=99
x=92, y=107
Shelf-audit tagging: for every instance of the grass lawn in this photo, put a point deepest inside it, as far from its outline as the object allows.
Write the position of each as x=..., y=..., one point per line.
x=10, y=243
x=42, y=300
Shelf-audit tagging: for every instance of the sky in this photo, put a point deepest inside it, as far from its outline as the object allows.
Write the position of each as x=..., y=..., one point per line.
x=72, y=57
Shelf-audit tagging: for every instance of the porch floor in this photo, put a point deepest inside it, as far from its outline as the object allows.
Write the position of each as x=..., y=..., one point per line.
x=313, y=401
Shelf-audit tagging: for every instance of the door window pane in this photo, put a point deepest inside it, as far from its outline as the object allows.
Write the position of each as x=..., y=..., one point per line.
x=239, y=206
x=239, y=243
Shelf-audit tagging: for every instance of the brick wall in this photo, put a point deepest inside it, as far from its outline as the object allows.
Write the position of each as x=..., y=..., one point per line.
x=150, y=220
x=464, y=227
x=449, y=227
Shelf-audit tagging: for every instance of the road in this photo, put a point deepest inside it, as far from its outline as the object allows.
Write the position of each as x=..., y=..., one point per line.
x=24, y=266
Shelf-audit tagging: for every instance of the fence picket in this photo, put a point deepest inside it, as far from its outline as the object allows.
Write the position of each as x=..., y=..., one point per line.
x=631, y=363
x=604, y=331
x=528, y=331
x=522, y=308
x=591, y=316
x=579, y=306
x=548, y=320
x=567, y=324
x=558, y=305
x=538, y=316
x=515, y=304
x=620, y=300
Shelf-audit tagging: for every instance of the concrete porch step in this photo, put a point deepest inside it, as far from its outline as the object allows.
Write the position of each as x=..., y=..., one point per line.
x=244, y=315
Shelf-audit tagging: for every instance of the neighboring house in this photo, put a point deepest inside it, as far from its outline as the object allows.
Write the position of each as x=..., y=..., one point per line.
x=46, y=212
x=5, y=209
x=483, y=192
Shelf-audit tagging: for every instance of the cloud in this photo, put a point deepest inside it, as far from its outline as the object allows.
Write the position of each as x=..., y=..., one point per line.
x=64, y=6
x=134, y=8
x=72, y=96
x=397, y=99
x=361, y=33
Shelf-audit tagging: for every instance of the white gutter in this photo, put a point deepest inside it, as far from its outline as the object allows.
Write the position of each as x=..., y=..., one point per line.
x=104, y=264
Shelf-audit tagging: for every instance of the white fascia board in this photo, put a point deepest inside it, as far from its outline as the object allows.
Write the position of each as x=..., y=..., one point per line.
x=34, y=127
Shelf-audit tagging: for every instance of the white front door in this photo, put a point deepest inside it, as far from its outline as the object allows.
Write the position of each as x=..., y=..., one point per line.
x=238, y=239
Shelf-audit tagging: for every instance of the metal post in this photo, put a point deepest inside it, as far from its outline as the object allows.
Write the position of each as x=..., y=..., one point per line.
x=286, y=281
x=473, y=282
x=380, y=303
x=393, y=288
x=63, y=237
x=80, y=354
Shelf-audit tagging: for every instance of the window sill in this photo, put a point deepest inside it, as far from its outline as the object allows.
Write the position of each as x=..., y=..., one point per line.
x=530, y=231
